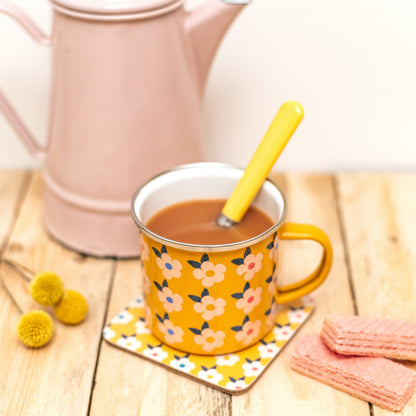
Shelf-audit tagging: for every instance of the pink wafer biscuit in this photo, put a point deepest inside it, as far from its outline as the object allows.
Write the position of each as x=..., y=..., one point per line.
x=378, y=380
x=357, y=335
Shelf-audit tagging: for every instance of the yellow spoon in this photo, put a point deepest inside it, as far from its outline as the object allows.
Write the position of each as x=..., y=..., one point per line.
x=280, y=131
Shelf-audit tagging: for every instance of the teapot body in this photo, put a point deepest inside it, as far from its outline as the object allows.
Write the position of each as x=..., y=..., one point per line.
x=125, y=105
x=127, y=80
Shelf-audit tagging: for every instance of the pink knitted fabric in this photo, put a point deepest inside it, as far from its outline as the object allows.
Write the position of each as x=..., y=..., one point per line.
x=374, y=379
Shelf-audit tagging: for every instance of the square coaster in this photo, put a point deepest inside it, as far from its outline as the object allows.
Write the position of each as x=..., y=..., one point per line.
x=232, y=373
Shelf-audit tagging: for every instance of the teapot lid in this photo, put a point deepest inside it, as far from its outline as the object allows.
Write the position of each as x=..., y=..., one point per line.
x=113, y=6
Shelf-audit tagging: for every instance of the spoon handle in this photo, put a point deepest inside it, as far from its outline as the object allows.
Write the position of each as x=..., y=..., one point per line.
x=278, y=134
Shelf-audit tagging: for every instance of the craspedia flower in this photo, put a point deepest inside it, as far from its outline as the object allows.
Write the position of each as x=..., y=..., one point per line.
x=35, y=328
x=72, y=308
x=46, y=288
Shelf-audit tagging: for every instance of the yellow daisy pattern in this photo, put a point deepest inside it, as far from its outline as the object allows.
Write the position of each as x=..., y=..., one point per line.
x=232, y=373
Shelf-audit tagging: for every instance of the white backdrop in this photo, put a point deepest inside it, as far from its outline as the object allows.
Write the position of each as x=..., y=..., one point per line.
x=352, y=64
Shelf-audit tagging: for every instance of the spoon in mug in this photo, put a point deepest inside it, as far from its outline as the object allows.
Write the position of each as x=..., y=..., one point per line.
x=274, y=141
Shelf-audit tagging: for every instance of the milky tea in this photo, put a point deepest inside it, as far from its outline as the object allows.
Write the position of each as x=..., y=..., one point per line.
x=193, y=222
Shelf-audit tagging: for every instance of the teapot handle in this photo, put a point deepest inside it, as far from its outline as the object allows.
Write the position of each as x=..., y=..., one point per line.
x=10, y=113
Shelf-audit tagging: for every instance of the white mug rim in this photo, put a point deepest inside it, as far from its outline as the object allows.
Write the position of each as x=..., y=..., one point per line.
x=205, y=247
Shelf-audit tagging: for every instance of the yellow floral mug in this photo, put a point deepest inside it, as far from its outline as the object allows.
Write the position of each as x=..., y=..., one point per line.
x=216, y=299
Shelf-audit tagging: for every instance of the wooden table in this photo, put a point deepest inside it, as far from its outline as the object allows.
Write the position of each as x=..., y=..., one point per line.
x=371, y=220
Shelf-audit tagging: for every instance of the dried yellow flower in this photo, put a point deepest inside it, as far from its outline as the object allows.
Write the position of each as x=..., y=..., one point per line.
x=72, y=308
x=46, y=288
x=35, y=328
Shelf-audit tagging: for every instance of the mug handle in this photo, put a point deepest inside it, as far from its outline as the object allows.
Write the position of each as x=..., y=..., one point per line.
x=293, y=231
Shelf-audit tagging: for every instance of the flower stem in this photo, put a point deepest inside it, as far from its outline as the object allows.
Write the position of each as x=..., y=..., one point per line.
x=6, y=289
x=18, y=268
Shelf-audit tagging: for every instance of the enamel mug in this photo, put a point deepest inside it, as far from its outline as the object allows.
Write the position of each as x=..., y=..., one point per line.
x=216, y=299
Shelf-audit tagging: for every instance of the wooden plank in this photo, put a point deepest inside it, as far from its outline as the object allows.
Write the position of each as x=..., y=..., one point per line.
x=280, y=390
x=57, y=379
x=128, y=385
x=12, y=185
x=379, y=218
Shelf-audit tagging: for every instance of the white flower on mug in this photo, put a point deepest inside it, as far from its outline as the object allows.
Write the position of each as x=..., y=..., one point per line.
x=210, y=374
x=234, y=384
x=182, y=364
x=171, y=301
x=144, y=249
x=207, y=305
x=208, y=338
x=267, y=349
x=170, y=267
x=155, y=353
x=210, y=307
x=282, y=332
x=249, y=264
x=252, y=368
x=248, y=331
x=124, y=317
x=129, y=342
x=172, y=334
x=247, y=299
x=227, y=359
x=296, y=315
x=208, y=272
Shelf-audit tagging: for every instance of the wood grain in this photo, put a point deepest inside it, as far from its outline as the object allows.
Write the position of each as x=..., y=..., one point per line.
x=12, y=188
x=379, y=218
x=57, y=379
x=371, y=220
x=311, y=199
x=13, y=185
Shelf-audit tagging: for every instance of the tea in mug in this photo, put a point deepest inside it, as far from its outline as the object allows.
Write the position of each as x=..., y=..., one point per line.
x=194, y=222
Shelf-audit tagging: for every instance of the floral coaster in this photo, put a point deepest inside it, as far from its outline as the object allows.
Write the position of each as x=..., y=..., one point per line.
x=231, y=373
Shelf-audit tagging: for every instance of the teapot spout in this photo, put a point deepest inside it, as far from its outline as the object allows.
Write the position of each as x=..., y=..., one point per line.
x=206, y=26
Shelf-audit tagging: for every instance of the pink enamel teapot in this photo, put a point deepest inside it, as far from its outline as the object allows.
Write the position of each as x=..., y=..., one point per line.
x=126, y=88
